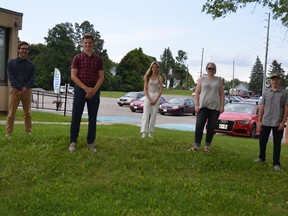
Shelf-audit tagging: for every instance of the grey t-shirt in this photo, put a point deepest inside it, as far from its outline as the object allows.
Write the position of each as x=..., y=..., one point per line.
x=210, y=93
x=274, y=105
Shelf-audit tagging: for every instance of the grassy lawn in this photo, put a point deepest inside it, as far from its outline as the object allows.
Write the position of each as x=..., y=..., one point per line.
x=132, y=176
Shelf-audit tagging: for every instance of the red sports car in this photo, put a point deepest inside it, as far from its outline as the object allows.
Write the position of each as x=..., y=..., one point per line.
x=138, y=104
x=239, y=119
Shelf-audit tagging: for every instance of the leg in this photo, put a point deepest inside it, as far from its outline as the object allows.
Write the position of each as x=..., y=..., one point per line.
x=263, y=139
x=93, y=106
x=14, y=101
x=201, y=118
x=145, y=116
x=277, y=138
x=77, y=111
x=211, y=125
x=153, y=116
x=26, y=99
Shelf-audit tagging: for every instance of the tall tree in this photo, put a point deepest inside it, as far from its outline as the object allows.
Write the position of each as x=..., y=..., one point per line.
x=61, y=48
x=167, y=66
x=220, y=8
x=256, y=77
x=131, y=70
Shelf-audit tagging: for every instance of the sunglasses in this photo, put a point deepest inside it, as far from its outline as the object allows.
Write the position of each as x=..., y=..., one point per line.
x=212, y=69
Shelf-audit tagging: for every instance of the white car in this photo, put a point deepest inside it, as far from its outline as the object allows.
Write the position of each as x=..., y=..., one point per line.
x=70, y=89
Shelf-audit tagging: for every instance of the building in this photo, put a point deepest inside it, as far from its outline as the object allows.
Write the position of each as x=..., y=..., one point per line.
x=10, y=24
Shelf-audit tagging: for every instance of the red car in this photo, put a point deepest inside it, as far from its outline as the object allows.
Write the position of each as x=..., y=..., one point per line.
x=138, y=104
x=239, y=119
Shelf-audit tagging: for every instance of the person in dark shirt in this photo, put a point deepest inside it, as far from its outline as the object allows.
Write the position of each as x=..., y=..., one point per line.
x=21, y=75
x=87, y=72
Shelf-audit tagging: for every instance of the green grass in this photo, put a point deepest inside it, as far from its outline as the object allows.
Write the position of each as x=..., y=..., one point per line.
x=132, y=176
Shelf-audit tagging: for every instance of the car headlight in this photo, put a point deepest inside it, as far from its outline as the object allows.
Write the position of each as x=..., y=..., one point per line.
x=175, y=107
x=242, y=121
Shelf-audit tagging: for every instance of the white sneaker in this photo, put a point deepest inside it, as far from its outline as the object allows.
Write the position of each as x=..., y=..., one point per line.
x=150, y=135
x=143, y=135
x=92, y=147
x=277, y=168
x=72, y=147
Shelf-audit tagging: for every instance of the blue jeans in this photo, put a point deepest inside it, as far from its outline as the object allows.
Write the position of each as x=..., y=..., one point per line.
x=77, y=111
x=206, y=115
x=277, y=138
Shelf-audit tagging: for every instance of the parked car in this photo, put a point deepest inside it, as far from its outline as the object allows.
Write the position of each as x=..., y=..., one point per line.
x=178, y=106
x=239, y=119
x=129, y=97
x=139, y=104
x=70, y=89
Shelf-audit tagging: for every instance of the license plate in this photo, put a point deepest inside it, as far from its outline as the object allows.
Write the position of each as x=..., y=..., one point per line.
x=135, y=107
x=223, y=126
x=164, y=110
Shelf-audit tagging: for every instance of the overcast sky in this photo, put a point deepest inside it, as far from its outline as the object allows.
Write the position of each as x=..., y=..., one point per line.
x=155, y=25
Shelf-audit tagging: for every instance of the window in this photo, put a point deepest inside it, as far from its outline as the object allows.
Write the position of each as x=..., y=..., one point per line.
x=3, y=54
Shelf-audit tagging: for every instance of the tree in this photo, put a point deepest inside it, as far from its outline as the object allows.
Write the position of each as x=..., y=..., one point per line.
x=167, y=66
x=61, y=49
x=275, y=67
x=256, y=77
x=220, y=8
x=131, y=70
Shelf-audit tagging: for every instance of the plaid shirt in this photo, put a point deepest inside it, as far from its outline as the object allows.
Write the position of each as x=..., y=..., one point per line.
x=88, y=67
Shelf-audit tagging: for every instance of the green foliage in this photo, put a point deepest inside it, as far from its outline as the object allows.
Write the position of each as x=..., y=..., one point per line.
x=256, y=77
x=132, y=176
x=220, y=8
x=275, y=67
x=132, y=69
x=167, y=66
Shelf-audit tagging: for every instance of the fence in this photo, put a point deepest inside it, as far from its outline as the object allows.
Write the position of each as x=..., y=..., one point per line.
x=42, y=99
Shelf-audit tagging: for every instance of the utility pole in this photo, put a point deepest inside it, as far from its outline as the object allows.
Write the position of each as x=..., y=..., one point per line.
x=201, y=62
x=266, y=55
x=233, y=77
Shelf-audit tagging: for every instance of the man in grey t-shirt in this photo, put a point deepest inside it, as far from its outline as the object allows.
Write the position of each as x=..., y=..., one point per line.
x=272, y=116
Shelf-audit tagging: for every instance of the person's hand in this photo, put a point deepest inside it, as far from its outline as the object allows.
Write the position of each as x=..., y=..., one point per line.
x=90, y=93
x=196, y=108
x=259, y=126
x=281, y=126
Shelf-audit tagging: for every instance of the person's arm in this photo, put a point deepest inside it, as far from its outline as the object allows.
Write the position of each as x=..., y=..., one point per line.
x=282, y=124
x=11, y=75
x=146, y=90
x=260, y=115
x=197, y=93
x=222, y=95
x=160, y=79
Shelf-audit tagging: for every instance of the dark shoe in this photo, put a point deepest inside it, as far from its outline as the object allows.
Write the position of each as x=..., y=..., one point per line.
x=92, y=147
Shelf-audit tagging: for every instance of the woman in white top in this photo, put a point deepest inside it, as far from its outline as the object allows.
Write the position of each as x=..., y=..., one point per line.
x=153, y=89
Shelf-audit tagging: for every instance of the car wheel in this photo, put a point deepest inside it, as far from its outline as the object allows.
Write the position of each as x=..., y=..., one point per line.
x=120, y=104
x=162, y=113
x=253, y=131
x=133, y=110
x=181, y=112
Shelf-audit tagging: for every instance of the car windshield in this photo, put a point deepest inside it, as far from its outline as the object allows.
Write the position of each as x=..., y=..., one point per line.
x=240, y=108
x=176, y=100
x=131, y=94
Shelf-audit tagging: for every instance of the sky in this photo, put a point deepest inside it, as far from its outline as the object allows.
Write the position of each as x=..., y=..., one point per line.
x=233, y=42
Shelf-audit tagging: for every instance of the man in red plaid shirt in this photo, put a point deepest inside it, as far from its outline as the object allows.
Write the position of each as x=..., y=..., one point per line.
x=87, y=72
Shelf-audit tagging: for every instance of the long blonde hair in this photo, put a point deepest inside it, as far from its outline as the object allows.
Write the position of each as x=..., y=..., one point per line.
x=148, y=73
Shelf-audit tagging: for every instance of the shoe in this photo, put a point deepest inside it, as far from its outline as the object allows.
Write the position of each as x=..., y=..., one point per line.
x=143, y=135
x=72, y=147
x=8, y=136
x=194, y=148
x=150, y=135
x=259, y=160
x=277, y=168
x=207, y=149
x=28, y=133
x=92, y=147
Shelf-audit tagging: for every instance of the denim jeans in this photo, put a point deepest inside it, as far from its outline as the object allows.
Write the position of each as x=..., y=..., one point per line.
x=277, y=138
x=78, y=107
x=205, y=115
